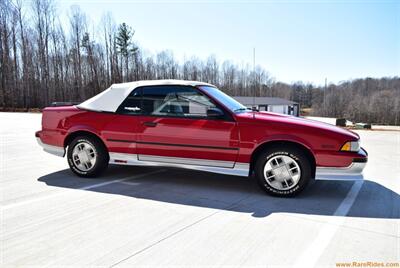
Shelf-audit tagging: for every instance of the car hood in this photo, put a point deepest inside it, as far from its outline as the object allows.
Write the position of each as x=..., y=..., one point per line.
x=268, y=117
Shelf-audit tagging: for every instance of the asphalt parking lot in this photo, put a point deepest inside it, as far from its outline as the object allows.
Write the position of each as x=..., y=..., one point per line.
x=168, y=217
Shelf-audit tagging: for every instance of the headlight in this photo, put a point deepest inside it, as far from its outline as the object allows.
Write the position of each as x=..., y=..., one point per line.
x=351, y=146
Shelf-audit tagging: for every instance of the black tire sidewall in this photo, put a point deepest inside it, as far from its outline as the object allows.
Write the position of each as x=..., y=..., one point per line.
x=101, y=154
x=296, y=155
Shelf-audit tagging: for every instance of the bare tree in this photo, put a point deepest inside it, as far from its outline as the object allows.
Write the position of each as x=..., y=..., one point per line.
x=78, y=27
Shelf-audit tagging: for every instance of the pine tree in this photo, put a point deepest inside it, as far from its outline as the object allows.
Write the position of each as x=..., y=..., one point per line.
x=125, y=45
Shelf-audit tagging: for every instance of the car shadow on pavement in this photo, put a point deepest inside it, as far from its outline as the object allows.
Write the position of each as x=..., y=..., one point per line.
x=232, y=193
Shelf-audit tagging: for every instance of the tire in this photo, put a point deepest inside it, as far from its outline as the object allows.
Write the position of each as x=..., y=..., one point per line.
x=87, y=156
x=283, y=171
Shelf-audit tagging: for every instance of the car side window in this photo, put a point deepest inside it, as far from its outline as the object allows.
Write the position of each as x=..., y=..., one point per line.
x=132, y=104
x=179, y=101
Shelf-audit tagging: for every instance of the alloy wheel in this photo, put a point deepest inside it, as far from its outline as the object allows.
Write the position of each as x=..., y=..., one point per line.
x=282, y=172
x=84, y=156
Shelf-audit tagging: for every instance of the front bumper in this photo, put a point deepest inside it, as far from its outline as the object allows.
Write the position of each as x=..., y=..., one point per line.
x=51, y=149
x=352, y=172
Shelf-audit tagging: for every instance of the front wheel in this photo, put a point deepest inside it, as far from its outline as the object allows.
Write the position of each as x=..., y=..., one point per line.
x=283, y=171
x=87, y=156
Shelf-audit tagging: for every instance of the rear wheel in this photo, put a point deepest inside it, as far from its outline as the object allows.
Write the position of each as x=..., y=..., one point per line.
x=283, y=171
x=87, y=156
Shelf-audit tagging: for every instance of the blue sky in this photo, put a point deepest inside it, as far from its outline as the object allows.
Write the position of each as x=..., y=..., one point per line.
x=307, y=40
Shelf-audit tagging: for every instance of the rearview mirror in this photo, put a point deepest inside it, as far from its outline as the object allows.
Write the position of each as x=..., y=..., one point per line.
x=214, y=113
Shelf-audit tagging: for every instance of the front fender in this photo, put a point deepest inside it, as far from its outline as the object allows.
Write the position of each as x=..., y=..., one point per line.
x=287, y=138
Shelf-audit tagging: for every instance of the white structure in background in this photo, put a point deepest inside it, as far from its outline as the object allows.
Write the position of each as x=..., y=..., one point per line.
x=271, y=104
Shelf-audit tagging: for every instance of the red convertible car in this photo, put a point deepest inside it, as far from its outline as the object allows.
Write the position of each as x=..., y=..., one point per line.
x=194, y=125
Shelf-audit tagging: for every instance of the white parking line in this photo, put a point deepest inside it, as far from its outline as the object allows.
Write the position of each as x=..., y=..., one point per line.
x=311, y=255
x=131, y=183
x=81, y=188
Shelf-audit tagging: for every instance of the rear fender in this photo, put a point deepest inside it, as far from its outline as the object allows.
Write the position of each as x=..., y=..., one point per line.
x=76, y=130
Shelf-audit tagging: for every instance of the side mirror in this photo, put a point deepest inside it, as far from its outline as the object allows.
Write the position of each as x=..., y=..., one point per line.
x=214, y=113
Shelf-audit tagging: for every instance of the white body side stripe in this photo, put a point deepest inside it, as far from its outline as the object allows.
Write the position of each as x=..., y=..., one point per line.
x=215, y=166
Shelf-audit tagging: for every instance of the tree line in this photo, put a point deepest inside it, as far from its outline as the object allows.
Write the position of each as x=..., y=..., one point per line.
x=42, y=61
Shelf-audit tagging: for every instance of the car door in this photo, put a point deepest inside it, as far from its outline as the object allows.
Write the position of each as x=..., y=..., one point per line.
x=174, y=128
x=120, y=133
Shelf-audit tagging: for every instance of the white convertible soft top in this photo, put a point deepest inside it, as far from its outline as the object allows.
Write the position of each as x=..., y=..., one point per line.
x=110, y=99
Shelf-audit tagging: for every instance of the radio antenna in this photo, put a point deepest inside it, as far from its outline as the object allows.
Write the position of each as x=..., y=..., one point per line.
x=254, y=78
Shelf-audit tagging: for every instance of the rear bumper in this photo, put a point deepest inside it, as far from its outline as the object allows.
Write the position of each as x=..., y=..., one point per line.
x=51, y=149
x=352, y=172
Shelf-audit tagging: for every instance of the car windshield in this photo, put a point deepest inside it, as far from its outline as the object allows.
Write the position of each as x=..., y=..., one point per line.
x=225, y=99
